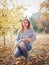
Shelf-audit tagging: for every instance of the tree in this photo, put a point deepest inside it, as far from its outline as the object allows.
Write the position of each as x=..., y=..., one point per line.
x=3, y=20
x=44, y=11
x=34, y=23
x=44, y=6
x=10, y=19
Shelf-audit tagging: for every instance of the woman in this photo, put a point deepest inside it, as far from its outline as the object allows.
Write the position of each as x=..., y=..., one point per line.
x=25, y=37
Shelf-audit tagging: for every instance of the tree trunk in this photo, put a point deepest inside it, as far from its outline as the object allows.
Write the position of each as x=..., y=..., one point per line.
x=11, y=37
x=4, y=41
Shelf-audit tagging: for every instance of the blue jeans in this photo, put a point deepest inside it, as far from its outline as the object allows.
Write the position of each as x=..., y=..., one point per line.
x=22, y=50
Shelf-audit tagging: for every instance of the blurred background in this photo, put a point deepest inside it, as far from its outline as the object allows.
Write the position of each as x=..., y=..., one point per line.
x=12, y=12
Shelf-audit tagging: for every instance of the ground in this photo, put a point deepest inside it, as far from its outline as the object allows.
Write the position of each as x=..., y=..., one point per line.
x=39, y=55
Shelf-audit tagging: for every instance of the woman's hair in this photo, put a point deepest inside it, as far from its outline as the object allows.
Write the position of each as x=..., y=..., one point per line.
x=29, y=25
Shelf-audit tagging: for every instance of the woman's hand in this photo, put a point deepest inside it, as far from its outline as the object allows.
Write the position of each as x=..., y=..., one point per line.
x=25, y=39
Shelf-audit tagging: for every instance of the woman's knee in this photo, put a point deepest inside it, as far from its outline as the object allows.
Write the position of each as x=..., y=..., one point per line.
x=22, y=44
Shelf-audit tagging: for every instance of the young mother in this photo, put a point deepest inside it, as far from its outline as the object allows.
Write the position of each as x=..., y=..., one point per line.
x=25, y=37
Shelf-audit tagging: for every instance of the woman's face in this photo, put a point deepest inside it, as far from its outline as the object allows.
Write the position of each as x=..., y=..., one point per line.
x=25, y=23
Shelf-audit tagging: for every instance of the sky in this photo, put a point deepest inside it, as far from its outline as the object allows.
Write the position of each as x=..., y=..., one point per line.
x=31, y=5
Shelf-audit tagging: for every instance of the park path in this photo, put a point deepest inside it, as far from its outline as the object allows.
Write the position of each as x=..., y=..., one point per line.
x=42, y=35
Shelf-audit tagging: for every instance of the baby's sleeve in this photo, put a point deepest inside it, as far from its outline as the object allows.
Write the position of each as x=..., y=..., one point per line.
x=32, y=36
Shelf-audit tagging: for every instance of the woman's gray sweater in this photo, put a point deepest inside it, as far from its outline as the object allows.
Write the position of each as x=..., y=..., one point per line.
x=30, y=33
